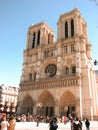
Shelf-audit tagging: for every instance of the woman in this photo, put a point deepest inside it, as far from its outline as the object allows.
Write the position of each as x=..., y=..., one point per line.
x=12, y=123
x=4, y=123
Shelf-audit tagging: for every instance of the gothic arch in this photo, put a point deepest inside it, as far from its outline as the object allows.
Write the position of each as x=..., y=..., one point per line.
x=49, y=37
x=48, y=103
x=73, y=69
x=33, y=39
x=67, y=100
x=72, y=27
x=38, y=37
x=46, y=99
x=65, y=70
x=32, y=74
x=66, y=29
x=27, y=105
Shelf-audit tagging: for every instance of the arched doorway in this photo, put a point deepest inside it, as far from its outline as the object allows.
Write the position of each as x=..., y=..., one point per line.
x=48, y=103
x=27, y=105
x=67, y=104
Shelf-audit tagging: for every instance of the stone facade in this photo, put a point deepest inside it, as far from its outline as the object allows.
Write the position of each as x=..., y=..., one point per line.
x=8, y=99
x=57, y=76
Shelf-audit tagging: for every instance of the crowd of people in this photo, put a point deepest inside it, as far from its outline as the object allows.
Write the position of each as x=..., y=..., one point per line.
x=9, y=123
x=76, y=124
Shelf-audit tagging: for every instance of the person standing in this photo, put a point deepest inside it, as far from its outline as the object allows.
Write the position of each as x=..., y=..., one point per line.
x=12, y=123
x=53, y=124
x=76, y=124
x=87, y=124
x=4, y=123
x=72, y=124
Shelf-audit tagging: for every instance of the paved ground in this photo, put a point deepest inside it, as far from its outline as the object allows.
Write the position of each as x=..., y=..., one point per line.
x=44, y=126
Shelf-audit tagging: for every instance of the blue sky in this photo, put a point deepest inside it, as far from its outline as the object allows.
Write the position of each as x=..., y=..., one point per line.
x=17, y=15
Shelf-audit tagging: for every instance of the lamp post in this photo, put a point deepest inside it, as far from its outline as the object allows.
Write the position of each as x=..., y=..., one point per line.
x=38, y=105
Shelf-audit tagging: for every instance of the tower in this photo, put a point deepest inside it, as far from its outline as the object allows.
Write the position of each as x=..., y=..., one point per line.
x=57, y=77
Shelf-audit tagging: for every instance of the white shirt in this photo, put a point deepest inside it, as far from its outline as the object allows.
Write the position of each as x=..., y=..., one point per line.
x=4, y=125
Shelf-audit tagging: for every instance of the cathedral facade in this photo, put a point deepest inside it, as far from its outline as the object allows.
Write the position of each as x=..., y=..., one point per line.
x=57, y=76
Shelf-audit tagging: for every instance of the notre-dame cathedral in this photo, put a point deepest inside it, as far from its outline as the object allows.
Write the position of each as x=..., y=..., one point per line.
x=57, y=76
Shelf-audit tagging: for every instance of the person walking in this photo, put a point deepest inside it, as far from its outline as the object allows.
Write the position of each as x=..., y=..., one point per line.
x=87, y=124
x=4, y=123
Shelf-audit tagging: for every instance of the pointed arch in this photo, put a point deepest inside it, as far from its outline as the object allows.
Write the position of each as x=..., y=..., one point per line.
x=33, y=40
x=66, y=29
x=67, y=100
x=66, y=71
x=46, y=98
x=48, y=103
x=49, y=37
x=73, y=69
x=72, y=28
x=30, y=76
x=27, y=105
x=38, y=38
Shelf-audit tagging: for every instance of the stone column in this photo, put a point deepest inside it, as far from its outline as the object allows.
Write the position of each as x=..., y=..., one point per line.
x=38, y=71
x=59, y=60
x=59, y=30
x=27, y=41
x=76, y=26
x=36, y=35
x=34, y=108
x=56, y=108
x=30, y=40
x=42, y=36
x=69, y=28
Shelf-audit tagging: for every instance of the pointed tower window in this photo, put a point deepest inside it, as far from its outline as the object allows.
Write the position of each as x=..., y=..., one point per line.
x=72, y=47
x=34, y=76
x=67, y=71
x=30, y=77
x=74, y=70
x=38, y=38
x=65, y=49
x=66, y=29
x=72, y=28
x=48, y=38
x=33, y=40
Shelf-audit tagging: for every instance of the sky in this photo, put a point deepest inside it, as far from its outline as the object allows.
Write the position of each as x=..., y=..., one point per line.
x=17, y=15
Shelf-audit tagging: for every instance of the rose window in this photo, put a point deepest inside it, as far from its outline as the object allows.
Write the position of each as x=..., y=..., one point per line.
x=51, y=70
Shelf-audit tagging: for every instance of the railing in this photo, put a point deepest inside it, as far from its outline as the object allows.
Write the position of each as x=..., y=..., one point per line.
x=51, y=83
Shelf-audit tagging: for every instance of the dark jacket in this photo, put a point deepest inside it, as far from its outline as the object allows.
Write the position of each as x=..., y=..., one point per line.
x=87, y=123
x=53, y=124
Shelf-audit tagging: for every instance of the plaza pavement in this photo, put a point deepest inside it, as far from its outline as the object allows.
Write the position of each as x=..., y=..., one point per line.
x=44, y=126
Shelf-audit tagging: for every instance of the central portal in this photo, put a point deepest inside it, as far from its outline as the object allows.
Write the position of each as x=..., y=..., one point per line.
x=47, y=111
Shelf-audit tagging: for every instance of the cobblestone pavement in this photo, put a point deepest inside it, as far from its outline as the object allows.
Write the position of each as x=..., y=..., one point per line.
x=44, y=126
